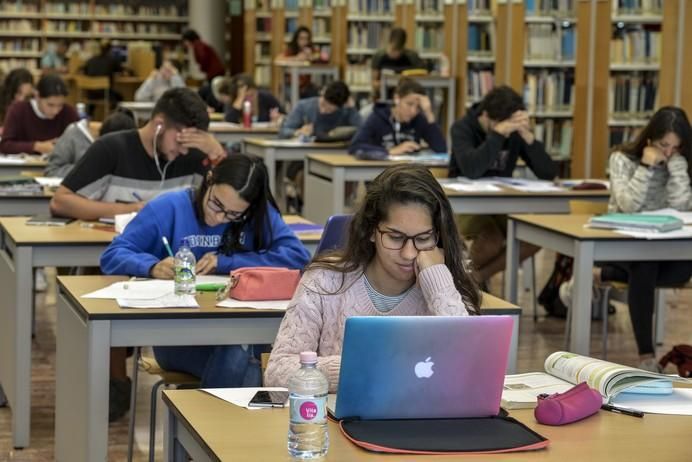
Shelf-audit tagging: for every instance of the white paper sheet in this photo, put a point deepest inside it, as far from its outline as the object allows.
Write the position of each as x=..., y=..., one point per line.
x=139, y=290
x=166, y=301
x=684, y=233
x=48, y=181
x=122, y=220
x=677, y=403
x=258, y=305
x=521, y=184
x=240, y=396
x=473, y=186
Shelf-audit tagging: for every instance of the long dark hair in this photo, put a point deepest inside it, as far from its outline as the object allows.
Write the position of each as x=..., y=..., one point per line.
x=403, y=184
x=666, y=120
x=15, y=79
x=248, y=176
x=232, y=86
x=292, y=46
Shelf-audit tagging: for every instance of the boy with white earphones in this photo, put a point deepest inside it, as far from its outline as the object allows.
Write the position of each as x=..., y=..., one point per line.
x=123, y=170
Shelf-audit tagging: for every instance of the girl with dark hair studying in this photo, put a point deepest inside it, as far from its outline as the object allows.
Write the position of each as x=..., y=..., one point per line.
x=33, y=126
x=403, y=258
x=301, y=49
x=651, y=173
x=17, y=86
x=231, y=221
x=241, y=88
x=400, y=128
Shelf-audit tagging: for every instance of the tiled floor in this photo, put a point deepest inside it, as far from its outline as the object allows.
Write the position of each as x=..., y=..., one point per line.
x=536, y=342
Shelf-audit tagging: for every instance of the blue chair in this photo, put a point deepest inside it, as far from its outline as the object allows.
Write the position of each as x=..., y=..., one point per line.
x=335, y=233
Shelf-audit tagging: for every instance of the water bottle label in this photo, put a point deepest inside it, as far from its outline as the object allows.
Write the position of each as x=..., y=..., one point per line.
x=184, y=273
x=311, y=410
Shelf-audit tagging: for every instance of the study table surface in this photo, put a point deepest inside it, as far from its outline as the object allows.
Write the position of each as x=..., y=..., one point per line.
x=568, y=235
x=23, y=248
x=88, y=328
x=210, y=429
x=226, y=132
x=279, y=150
x=142, y=110
x=326, y=175
x=13, y=165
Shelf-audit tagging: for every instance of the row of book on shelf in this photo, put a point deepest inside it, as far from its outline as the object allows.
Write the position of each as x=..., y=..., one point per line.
x=632, y=94
x=561, y=8
x=635, y=44
x=550, y=41
x=549, y=90
x=636, y=7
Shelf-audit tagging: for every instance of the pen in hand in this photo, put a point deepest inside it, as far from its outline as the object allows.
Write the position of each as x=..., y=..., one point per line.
x=619, y=410
x=167, y=246
x=137, y=196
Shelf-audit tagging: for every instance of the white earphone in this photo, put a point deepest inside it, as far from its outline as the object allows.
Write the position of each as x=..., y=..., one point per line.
x=156, y=157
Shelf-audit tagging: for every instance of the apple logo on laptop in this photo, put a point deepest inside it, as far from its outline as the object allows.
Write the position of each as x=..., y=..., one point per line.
x=423, y=369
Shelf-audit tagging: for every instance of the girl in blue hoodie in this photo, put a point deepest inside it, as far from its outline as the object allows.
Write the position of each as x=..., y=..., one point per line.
x=400, y=128
x=231, y=221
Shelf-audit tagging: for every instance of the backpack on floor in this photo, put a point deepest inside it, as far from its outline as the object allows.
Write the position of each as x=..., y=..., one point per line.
x=550, y=295
x=681, y=356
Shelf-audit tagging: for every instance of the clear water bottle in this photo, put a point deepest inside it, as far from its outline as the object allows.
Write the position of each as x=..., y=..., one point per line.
x=307, y=429
x=185, y=262
x=82, y=111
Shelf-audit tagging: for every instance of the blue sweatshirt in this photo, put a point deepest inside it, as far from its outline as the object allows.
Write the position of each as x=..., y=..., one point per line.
x=379, y=132
x=140, y=247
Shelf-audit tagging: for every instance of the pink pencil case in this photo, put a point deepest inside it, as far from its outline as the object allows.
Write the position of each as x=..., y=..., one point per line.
x=575, y=404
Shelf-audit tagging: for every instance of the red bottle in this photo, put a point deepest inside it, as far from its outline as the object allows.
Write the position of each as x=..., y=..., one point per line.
x=247, y=114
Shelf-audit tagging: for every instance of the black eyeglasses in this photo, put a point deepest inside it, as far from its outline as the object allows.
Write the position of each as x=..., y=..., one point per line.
x=217, y=207
x=394, y=240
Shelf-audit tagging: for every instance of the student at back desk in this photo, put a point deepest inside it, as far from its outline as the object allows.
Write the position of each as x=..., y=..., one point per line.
x=487, y=141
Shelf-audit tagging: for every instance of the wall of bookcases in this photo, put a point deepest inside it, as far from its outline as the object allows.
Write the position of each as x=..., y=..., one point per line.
x=27, y=27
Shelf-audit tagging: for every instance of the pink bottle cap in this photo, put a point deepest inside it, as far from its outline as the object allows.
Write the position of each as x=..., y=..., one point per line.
x=308, y=357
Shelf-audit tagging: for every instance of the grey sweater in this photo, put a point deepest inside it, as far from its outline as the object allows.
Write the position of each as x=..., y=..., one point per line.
x=69, y=148
x=637, y=188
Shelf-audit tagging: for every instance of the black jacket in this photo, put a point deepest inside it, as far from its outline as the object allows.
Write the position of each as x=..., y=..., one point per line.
x=477, y=154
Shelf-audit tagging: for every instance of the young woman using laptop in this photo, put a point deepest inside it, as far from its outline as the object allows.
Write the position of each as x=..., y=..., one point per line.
x=403, y=258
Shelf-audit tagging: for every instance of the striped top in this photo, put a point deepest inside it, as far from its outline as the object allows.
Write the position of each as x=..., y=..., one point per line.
x=383, y=303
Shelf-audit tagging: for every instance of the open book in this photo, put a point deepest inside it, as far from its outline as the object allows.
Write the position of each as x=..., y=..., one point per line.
x=563, y=370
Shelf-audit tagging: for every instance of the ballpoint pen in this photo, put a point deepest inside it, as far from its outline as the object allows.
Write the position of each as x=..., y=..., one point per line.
x=167, y=245
x=619, y=410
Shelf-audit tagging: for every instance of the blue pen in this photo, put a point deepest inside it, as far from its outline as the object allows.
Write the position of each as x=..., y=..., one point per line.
x=137, y=196
x=167, y=245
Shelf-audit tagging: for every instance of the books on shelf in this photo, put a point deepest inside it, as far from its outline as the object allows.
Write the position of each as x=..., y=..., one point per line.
x=622, y=135
x=562, y=8
x=550, y=42
x=480, y=82
x=549, y=90
x=479, y=7
x=556, y=135
x=358, y=75
x=632, y=94
x=370, y=35
x=563, y=370
x=321, y=27
x=635, y=44
x=366, y=7
x=651, y=7
x=480, y=40
x=429, y=6
x=429, y=37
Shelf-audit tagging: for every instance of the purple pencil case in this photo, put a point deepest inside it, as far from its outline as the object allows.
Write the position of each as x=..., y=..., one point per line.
x=575, y=404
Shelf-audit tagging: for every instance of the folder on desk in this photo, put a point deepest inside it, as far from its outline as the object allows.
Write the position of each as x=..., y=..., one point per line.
x=636, y=222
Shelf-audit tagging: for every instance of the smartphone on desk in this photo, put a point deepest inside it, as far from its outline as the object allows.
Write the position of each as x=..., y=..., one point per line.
x=264, y=398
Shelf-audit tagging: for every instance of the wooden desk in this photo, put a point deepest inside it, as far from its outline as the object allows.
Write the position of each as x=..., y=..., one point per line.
x=295, y=69
x=210, y=429
x=20, y=204
x=227, y=132
x=141, y=110
x=11, y=165
x=274, y=150
x=509, y=200
x=23, y=248
x=325, y=181
x=566, y=234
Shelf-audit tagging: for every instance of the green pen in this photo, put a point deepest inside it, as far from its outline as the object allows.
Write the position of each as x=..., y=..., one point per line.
x=210, y=287
x=167, y=246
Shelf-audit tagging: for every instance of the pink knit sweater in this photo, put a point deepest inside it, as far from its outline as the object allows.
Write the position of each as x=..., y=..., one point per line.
x=315, y=321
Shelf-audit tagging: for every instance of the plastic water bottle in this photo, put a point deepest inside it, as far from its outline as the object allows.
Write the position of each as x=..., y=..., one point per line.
x=185, y=261
x=82, y=111
x=307, y=429
x=247, y=114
